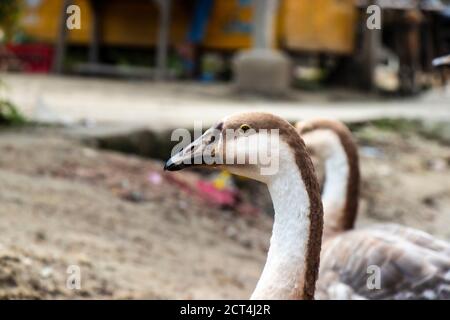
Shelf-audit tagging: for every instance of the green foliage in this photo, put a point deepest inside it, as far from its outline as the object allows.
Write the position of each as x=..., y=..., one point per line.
x=9, y=115
x=398, y=125
x=9, y=15
x=432, y=130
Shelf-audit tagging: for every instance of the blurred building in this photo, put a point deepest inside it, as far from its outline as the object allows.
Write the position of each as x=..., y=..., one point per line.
x=198, y=38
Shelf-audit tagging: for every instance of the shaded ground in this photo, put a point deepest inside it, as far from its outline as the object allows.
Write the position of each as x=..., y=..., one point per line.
x=64, y=204
x=167, y=105
x=137, y=232
x=405, y=179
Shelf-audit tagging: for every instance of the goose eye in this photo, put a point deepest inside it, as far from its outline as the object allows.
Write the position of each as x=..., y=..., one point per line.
x=245, y=128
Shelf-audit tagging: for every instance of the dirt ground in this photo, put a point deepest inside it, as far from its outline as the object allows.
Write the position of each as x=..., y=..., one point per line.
x=137, y=232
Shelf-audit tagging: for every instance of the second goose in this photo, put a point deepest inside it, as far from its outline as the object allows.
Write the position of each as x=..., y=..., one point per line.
x=412, y=264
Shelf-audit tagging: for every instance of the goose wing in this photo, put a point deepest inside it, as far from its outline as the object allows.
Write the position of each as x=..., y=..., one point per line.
x=418, y=237
x=384, y=263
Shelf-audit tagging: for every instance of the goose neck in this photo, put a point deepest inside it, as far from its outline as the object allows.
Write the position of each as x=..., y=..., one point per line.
x=289, y=270
x=340, y=190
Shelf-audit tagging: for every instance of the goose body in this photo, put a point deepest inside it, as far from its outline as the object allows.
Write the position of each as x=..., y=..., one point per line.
x=411, y=264
x=293, y=258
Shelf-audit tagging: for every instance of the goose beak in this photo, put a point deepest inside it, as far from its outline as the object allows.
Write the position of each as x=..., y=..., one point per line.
x=197, y=153
x=170, y=165
x=183, y=159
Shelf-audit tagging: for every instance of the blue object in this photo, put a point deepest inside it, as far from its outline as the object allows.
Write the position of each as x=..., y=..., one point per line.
x=244, y=3
x=201, y=15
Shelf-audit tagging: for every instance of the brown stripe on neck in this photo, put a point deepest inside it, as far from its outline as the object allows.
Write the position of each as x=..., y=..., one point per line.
x=348, y=218
x=288, y=133
x=306, y=168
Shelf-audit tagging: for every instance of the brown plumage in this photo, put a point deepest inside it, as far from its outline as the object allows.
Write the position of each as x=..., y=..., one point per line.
x=410, y=268
x=288, y=133
x=412, y=264
x=293, y=260
x=345, y=219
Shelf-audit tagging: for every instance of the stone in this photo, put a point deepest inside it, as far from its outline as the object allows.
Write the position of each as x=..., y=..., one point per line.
x=263, y=71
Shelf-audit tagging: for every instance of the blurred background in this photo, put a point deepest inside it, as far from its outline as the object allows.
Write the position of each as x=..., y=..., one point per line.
x=91, y=90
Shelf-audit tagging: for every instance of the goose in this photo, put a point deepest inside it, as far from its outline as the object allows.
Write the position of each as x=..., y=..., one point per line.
x=411, y=263
x=292, y=263
x=333, y=142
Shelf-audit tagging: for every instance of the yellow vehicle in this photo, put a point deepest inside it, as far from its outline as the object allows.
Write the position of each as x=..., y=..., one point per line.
x=323, y=28
x=320, y=25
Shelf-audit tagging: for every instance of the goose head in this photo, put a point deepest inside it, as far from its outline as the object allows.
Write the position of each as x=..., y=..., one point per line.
x=323, y=138
x=246, y=144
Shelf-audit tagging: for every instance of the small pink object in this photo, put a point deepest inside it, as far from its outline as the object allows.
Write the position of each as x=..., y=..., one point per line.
x=154, y=178
x=220, y=197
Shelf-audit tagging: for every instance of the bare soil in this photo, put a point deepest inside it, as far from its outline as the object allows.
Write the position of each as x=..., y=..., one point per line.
x=63, y=203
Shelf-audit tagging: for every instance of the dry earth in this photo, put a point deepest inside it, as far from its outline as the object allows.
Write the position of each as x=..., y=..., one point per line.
x=63, y=203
